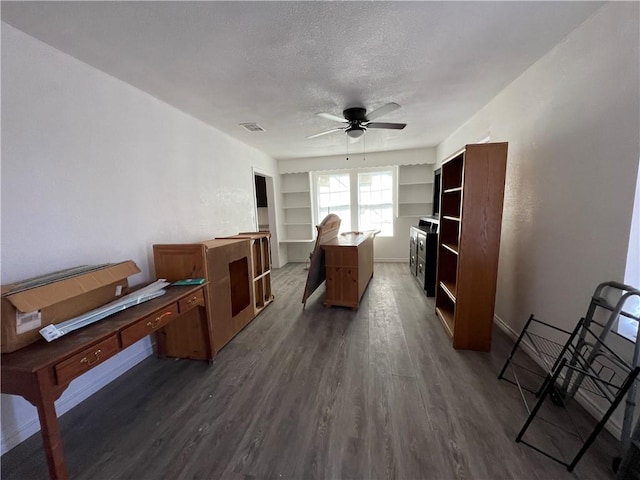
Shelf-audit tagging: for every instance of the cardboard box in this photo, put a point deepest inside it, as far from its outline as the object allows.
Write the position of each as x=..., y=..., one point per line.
x=29, y=305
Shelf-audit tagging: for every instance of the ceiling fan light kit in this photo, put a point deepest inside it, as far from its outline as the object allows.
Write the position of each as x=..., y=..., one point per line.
x=355, y=132
x=356, y=121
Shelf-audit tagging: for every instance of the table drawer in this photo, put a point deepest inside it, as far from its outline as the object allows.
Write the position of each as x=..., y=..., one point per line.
x=187, y=303
x=147, y=325
x=75, y=366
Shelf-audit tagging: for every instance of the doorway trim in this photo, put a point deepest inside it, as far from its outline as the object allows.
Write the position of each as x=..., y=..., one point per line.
x=271, y=210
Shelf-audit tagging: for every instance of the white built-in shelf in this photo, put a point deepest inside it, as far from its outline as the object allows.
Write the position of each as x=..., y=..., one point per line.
x=415, y=193
x=413, y=174
x=414, y=209
x=405, y=184
x=415, y=190
x=296, y=206
x=294, y=182
x=295, y=191
x=297, y=200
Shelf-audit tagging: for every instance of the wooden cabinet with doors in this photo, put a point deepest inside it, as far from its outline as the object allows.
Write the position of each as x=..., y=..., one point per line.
x=226, y=265
x=469, y=243
x=348, y=267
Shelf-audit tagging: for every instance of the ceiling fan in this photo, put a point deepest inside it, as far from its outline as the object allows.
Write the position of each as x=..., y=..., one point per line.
x=356, y=120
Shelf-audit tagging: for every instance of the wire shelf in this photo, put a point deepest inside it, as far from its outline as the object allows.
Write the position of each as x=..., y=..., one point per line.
x=581, y=361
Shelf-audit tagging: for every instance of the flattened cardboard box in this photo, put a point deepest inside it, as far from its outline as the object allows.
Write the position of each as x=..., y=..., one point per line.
x=25, y=312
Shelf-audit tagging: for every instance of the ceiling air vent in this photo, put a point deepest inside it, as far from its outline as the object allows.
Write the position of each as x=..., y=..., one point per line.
x=252, y=127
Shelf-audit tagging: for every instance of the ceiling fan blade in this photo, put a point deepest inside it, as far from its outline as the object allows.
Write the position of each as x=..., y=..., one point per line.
x=330, y=116
x=339, y=129
x=393, y=126
x=383, y=110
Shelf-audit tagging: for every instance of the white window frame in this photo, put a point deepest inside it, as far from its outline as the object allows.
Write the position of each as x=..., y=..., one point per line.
x=354, y=193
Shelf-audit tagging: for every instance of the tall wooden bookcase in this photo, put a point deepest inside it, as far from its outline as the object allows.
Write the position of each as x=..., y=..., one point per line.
x=469, y=243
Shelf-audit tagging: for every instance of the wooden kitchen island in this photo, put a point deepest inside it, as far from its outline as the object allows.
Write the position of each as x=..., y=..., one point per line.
x=348, y=267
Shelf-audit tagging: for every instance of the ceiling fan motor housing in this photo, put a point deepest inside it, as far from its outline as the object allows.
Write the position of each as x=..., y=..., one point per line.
x=355, y=115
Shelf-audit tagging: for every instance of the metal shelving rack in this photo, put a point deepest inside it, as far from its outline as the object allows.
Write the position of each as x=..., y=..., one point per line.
x=581, y=360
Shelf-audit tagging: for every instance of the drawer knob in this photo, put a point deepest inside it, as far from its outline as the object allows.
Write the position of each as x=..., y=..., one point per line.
x=96, y=356
x=156, y=321
x=192, y=300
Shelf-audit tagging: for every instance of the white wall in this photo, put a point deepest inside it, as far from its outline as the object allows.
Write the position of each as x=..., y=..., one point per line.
x=572, y=123
x=394, y=248
x=95, y=171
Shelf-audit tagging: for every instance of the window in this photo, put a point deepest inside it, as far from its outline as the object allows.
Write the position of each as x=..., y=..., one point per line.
x=363, y=199
x=375, y=202
x=627, y=327
x=334, y=196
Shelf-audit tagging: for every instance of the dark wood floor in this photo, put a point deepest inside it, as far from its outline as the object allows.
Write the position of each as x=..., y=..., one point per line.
x=321, y=393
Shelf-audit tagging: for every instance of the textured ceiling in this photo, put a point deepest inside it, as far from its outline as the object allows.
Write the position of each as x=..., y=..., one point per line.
x=280, y=63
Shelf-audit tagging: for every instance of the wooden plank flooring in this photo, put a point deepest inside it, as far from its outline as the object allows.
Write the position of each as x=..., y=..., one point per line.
x=321, y=393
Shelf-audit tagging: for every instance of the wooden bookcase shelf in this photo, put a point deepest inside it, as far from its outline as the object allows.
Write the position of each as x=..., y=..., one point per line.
x=452, y=248
x=260, y=268
x=469, y=243
x=450, y=203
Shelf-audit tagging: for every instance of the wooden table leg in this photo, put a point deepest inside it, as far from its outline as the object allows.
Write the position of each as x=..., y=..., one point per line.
x=51, y=439
x=43, y=394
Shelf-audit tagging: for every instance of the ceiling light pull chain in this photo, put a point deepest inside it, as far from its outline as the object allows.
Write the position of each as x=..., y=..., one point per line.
x=347, y=148
x=364, y=148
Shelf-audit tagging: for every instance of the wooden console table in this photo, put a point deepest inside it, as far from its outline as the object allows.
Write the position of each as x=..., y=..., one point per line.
x=41, y=372
x=349, y=267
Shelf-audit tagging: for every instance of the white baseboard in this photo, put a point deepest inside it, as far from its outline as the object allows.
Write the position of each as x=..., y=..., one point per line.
x=506, y=328
x=613, y=426
x=120, y=364
x=375, y=260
